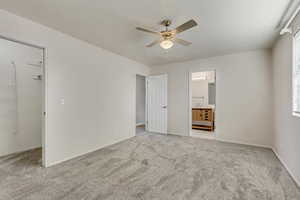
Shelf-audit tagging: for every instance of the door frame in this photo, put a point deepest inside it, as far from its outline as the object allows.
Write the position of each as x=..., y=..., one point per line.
x=44, y=92
x=214, y=133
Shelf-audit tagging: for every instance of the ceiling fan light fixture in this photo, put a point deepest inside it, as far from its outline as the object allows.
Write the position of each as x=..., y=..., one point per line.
x=166, y=44
x=168, y=37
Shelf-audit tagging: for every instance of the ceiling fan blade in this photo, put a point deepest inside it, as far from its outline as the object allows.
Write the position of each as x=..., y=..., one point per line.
x=153, y=43
x=148, y=31
x=182, y=42
x=186, y=26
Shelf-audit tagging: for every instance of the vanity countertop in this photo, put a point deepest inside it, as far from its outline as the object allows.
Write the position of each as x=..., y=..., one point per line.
x=203, y=107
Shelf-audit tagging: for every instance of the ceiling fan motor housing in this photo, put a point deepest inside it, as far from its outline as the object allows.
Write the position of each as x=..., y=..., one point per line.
x=166, y=22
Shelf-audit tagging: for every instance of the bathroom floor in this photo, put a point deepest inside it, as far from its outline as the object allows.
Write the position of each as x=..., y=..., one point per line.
x=202, y=134
x=140, y=130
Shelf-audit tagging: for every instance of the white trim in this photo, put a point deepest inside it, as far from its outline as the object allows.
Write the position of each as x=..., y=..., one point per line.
x=146, y=104
x=261, y=146
x=189, y=96
x=137, y=124
x=21, y=151
x=271, y=148
x=296, y=114
x=21, y=42
x=45, y=106
x=203, y=135
x=230, y=141
x=244, y=143
x=286, y=167
x=140, y=124
x=87, y=152
x=294, y=64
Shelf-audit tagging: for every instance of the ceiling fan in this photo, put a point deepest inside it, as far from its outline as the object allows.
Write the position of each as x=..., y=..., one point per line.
x=168, y=37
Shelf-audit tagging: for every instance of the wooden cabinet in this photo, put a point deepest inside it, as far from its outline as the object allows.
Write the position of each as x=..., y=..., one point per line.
x=203, y=118
x=202, y=114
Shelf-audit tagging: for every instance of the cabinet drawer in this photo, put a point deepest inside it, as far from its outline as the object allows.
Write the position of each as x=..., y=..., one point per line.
x=202, y=115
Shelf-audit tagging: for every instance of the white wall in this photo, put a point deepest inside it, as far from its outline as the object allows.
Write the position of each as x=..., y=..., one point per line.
x=140, y=99
x=98, y=88
x=243, y=96
x=200, y=89
x=20, y=99
x=287, y=127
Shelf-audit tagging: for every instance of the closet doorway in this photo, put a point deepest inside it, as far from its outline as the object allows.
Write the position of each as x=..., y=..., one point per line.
x=21, y=101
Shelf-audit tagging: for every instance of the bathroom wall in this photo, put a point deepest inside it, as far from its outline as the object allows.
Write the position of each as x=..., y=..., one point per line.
x=200, y=87
x=199, y=90
x=20, y=97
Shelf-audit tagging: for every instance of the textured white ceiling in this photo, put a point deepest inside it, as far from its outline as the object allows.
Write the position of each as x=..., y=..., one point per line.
x=225, y=26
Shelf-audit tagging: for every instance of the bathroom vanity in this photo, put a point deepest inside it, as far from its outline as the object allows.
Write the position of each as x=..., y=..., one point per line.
x=203, y=119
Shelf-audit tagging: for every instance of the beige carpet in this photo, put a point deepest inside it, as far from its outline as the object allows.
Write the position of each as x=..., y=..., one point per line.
x=152, y=167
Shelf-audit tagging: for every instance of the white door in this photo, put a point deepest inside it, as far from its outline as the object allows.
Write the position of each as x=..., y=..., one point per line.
x=157, y=108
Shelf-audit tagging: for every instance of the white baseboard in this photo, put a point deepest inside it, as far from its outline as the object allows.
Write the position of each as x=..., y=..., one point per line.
x=21, y=151
x=85, y=153
x=286, y=167
x=275, y=152
x=221, y=140
x=207, y=136
x=268, y=147
x=140, y=124
x=244, y=143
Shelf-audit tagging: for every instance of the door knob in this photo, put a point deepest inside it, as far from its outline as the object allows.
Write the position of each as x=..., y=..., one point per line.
x=164, y=107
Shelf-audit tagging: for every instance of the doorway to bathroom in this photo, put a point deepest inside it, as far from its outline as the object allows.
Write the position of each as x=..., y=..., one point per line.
x=21, y=101
x=203, y=104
